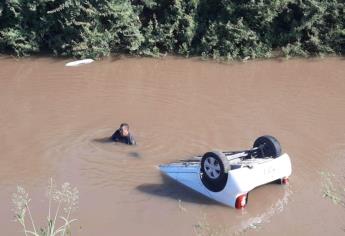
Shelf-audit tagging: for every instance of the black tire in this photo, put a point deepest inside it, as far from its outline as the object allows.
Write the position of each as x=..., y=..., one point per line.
x=268, y=146
x=214, y=170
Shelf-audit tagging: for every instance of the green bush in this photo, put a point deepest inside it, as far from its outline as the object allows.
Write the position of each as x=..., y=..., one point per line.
x=167, y=26
x=311, y=27
x=232, y=41
x=221, y=29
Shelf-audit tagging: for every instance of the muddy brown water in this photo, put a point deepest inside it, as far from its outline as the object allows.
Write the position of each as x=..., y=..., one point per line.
x=54, y=121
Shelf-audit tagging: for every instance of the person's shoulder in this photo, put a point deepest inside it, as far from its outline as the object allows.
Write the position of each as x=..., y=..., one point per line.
x=117, y=131
x=116, y=135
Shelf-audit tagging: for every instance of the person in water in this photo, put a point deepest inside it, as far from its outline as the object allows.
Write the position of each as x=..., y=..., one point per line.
x=123, y=135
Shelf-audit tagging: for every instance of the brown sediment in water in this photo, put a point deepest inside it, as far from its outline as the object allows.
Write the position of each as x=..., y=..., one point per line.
x=55, y=121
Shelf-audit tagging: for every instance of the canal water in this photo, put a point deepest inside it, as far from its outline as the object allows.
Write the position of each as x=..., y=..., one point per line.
x=55, y=122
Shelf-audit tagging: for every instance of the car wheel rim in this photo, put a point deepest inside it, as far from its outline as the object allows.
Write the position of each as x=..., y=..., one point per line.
x=212, y=168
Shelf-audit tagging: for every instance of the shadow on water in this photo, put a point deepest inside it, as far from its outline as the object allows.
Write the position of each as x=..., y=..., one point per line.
x=103, y=140
x=134, y=154
x=171, y=189
x=107, y=140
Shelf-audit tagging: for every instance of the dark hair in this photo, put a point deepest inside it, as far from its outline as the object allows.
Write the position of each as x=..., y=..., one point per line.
x=124, y=125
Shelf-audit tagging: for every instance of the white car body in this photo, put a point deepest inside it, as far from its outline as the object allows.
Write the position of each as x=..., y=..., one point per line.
x=243, y=176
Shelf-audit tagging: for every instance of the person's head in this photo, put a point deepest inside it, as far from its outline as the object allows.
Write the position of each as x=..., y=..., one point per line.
x=124, y=129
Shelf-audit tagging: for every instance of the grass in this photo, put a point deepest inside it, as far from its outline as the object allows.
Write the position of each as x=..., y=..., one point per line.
x=62, y=203
x=182, y=208
x=333, y=188
x=203, y=228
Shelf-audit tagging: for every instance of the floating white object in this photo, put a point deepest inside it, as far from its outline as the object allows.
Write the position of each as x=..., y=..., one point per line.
x=79, y=62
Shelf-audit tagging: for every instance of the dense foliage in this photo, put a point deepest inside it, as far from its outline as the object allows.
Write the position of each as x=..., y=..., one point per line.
x=227, y=29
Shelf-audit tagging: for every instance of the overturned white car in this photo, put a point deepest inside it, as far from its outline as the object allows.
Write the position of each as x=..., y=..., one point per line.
x=227, y=177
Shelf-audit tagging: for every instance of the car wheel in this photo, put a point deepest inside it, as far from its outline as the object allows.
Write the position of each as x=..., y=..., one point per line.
x=214, y=170
x=268, y=146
